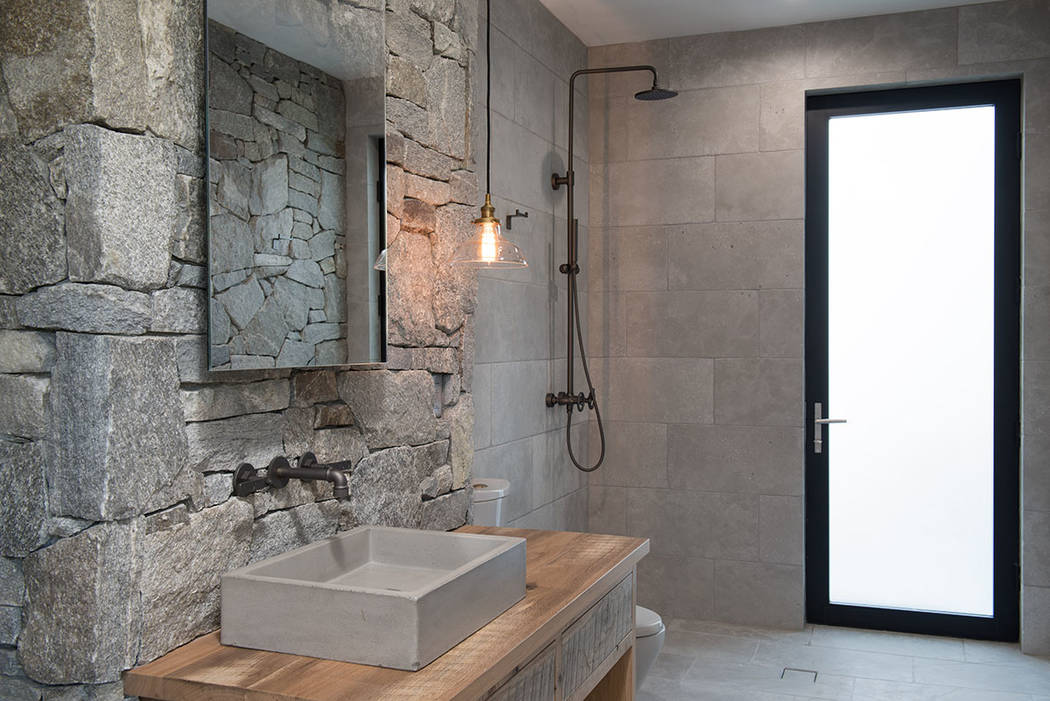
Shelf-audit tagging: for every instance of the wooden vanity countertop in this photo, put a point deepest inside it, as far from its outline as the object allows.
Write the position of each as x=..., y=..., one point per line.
x=565, y=574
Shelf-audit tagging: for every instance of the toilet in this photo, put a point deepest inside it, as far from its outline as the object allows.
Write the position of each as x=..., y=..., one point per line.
x=489, y=494
x=649, y=630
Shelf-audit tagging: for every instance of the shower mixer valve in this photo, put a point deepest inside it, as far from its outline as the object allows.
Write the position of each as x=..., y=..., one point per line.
x=579, y=401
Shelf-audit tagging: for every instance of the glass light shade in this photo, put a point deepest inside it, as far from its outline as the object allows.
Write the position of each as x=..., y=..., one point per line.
x=487, y=249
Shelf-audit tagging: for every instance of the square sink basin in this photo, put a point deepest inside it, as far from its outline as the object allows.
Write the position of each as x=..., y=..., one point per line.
x=392, y=597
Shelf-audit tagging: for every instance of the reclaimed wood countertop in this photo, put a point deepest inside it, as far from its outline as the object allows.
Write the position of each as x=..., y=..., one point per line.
x=565, y=573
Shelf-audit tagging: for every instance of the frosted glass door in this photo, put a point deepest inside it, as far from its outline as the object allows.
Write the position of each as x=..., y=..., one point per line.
x=912, y=359
x=911, y=274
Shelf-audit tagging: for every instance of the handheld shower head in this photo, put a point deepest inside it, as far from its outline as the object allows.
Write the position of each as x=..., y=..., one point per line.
x=655, y=93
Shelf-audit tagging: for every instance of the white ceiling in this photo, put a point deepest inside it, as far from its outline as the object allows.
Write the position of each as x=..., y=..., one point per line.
x=600, y=22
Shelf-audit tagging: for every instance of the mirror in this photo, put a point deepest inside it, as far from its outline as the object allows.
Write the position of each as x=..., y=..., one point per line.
x=296, y=183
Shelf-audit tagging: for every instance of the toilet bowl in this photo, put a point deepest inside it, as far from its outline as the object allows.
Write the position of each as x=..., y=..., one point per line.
x=649, y=632
x=489, y=494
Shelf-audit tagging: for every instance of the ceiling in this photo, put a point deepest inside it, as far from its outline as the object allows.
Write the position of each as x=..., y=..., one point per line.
x=600, y=22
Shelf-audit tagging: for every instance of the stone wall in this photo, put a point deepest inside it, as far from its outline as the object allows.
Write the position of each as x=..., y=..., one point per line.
x=698, y=207
x=278, y=201
x=116, y=443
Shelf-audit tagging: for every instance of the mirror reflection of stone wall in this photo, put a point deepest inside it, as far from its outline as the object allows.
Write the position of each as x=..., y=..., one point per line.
x=277, y=147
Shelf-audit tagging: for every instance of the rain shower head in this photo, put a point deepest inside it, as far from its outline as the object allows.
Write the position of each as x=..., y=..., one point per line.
x=655, y=93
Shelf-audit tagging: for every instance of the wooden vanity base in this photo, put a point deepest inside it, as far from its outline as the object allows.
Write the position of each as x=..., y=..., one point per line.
x=570, y=639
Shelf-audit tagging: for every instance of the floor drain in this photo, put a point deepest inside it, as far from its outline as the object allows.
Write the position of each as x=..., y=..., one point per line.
x=794, y=673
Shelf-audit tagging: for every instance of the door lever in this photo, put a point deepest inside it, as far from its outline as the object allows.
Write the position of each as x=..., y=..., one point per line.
x=818, y=421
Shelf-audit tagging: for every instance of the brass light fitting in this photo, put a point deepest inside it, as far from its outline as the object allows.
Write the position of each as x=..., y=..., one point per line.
x=487, y=248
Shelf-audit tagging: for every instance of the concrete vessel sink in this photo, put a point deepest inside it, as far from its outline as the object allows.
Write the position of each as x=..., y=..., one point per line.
x=393, y=597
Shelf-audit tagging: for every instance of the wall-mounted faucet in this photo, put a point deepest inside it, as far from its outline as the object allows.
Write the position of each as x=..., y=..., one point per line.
x=247, y=480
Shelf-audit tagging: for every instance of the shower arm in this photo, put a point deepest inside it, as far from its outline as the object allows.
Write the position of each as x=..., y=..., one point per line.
x=568, y=179
x=571, y=268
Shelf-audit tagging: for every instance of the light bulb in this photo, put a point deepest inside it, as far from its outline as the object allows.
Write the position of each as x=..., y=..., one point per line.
x=489, y=234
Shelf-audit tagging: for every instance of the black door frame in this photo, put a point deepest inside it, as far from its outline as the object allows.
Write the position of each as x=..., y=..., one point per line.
x=1006, y=96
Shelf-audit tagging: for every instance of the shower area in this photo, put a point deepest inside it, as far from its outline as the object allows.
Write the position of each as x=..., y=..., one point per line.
x=689, y=295
x=690, y=246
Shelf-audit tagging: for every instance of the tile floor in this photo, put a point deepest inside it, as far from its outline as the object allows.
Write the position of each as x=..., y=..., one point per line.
x=706, y=661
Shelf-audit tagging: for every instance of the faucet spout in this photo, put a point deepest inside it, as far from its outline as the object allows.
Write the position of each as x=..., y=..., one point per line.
x=309, y=468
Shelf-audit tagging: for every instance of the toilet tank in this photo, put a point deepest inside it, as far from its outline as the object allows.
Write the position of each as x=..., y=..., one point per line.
x=489, y=494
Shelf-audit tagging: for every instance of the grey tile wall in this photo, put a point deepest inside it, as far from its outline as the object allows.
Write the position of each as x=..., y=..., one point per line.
x=696, y=302
x=521, y=313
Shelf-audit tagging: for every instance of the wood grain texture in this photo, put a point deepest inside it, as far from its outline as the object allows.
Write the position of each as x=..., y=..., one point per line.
x=536, y=682
x=565, y=573
x=618, y=683
x=595, y=636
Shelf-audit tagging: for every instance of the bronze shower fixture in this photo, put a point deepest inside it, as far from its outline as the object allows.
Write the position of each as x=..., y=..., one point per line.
x=571, y=268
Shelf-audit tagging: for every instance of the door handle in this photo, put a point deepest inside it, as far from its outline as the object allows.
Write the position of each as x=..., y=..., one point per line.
x=818, y=421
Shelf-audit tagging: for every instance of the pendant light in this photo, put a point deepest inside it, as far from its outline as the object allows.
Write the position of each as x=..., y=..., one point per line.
x=487, y=248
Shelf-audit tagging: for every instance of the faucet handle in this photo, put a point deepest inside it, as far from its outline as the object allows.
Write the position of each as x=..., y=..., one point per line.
x=246, y=480
x=276, y=472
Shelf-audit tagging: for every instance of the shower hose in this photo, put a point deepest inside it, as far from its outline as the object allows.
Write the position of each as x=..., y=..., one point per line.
x=574, y=309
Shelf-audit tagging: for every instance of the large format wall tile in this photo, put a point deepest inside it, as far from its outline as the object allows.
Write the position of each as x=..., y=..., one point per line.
x=759, y=594
x=525, y=177
x=695, y=524
x=654, y=53
x=553, y=474
x=736, y=255
x=780, y=524
x=521, y=314
x=758, y=392
x=644, y=193
x=759, y=186
x=607, y=510
x=628, y=258
x=682, y=587
x=885, y=43
x=657, y=389
x=581, y=125
x=512, y=322
x=518, y=390
x=780, y=323
x=692, y=324
x=1036, y=542
x=607, y=127
x=1036, y=322
x=1037, y=170
x=1035, y=620
x=606, y=324
x=1004, y=31
x=534, y=87
x=696, y=123
x=1037, y=246
x=635, y=454
x=744, y=459
x=569, y=513
x=737, y=58
x=482, y=391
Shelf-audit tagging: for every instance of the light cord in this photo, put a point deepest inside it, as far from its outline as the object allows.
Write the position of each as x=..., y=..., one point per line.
x=488, y=96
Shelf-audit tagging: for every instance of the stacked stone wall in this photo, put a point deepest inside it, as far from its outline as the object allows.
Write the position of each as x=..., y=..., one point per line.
x=116, y=442
x=278, y=208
